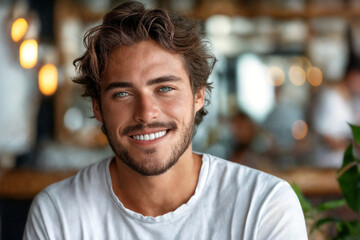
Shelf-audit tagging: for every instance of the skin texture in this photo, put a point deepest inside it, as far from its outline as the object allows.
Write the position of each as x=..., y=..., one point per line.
x=146, y=89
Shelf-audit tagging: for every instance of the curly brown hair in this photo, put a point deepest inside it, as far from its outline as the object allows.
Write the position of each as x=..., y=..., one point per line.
x=130, y=23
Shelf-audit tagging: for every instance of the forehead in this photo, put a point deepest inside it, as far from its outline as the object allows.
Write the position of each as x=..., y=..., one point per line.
x=143, y=59
x=143, y=48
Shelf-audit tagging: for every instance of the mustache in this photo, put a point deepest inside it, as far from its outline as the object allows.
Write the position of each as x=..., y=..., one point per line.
x=139, y=127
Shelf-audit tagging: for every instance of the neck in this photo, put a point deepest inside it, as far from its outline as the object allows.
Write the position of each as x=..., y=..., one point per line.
x=156, y=195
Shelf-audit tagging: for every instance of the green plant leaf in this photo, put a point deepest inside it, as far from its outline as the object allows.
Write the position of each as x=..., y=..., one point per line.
x=305, y=204
x=331, y=205
x=349, y=180
x=356, y=133
x=347, y=238
x=348, y=230
x=345, y=230
x=356, y=142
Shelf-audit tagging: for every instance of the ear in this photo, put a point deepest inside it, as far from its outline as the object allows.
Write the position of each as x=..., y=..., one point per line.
x=199, y=99
x=97, y=110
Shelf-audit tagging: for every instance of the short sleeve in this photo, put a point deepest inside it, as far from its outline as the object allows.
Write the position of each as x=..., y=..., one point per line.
x=43, y=221
x=281, y=216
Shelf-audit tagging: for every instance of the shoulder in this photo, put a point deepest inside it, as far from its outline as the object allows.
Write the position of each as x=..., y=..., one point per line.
x=241, y=182
x=66, y=199
x=267, y=202
x=239, y=174
x=70, y=192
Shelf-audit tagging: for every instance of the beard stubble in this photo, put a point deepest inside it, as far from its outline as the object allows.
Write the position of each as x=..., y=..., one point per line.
x=150, y=166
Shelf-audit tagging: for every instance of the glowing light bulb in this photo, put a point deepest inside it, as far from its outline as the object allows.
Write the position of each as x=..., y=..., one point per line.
x=18, y=29
x=297, y=75
x=28, y=53
x=277, y=76
x=299, y=129
x=315, y=76
x=48, y=79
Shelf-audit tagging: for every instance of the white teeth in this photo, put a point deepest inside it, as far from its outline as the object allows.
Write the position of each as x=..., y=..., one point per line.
x=151, y=136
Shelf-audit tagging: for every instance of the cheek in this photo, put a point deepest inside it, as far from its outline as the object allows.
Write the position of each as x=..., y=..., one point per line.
x=180, y=107
x=115, y=114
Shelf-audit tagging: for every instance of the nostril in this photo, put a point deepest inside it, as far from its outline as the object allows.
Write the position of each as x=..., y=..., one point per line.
x=146, y=111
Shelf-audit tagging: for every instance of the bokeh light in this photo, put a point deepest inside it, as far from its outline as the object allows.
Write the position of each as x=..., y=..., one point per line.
x=299, y=129
x=28, y=53
x=48, y=79
x=18, y=29
x=276, y=76
x=73, y=119
x=315, y=76
x=218, y=25
x=297, y=75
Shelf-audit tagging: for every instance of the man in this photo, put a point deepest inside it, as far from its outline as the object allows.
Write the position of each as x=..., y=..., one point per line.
x=146, y=72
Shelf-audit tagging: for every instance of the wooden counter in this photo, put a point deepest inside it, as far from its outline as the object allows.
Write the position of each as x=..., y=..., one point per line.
x=312, y=181
x=26, y=183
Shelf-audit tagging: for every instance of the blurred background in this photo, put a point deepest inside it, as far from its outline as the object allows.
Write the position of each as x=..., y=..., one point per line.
x=286, y=84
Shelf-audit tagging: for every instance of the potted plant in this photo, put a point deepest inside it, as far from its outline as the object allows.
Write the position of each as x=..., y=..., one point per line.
x=348, y=177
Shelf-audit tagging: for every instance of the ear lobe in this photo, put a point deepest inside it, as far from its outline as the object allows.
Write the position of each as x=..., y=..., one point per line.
x=199, y=99
x=97, y=110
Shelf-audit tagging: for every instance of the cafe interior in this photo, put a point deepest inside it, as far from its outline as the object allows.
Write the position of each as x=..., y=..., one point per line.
x=286, y=86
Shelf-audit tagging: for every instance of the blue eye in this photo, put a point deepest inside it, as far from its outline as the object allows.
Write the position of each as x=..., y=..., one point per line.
x=122, y=94
x=165, y=89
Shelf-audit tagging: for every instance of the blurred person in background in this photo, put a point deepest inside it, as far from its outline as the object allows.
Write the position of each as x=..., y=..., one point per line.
x=337, y=104
x=146, y=72
x=278, y=127
x=249, y=144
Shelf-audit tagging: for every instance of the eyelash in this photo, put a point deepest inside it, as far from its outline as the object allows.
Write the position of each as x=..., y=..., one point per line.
x=118, y=94
x=161, y=90
x=169, y=89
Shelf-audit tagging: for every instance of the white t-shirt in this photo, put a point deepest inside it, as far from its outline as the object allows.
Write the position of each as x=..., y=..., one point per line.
x=231, y=201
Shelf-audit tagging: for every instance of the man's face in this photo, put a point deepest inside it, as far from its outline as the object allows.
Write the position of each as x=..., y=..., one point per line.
x=147, y=107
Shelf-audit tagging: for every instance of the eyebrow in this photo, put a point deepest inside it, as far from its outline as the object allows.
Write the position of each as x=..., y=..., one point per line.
x=151, y=82
x=163, y=79
x=118, y=85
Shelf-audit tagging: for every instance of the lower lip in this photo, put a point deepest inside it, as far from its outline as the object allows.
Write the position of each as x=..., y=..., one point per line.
x=149, y=142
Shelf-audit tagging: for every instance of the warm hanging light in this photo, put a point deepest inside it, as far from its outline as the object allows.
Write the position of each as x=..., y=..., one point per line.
x=48, y=79
x=315, y=76
x=277, y=76
x=297, y=75
x=299, y=129
x=28, y=53
x=18, y=29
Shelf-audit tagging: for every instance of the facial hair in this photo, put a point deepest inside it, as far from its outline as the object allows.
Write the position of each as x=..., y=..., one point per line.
x=150, y=166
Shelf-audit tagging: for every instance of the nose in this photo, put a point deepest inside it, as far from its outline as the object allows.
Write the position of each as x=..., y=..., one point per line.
x=146, y=109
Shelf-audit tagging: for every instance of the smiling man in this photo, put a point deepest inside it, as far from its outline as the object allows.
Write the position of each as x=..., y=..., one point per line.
x=146, y=72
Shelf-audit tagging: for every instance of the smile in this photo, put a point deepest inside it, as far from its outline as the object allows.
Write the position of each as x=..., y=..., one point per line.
x=149, y=137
